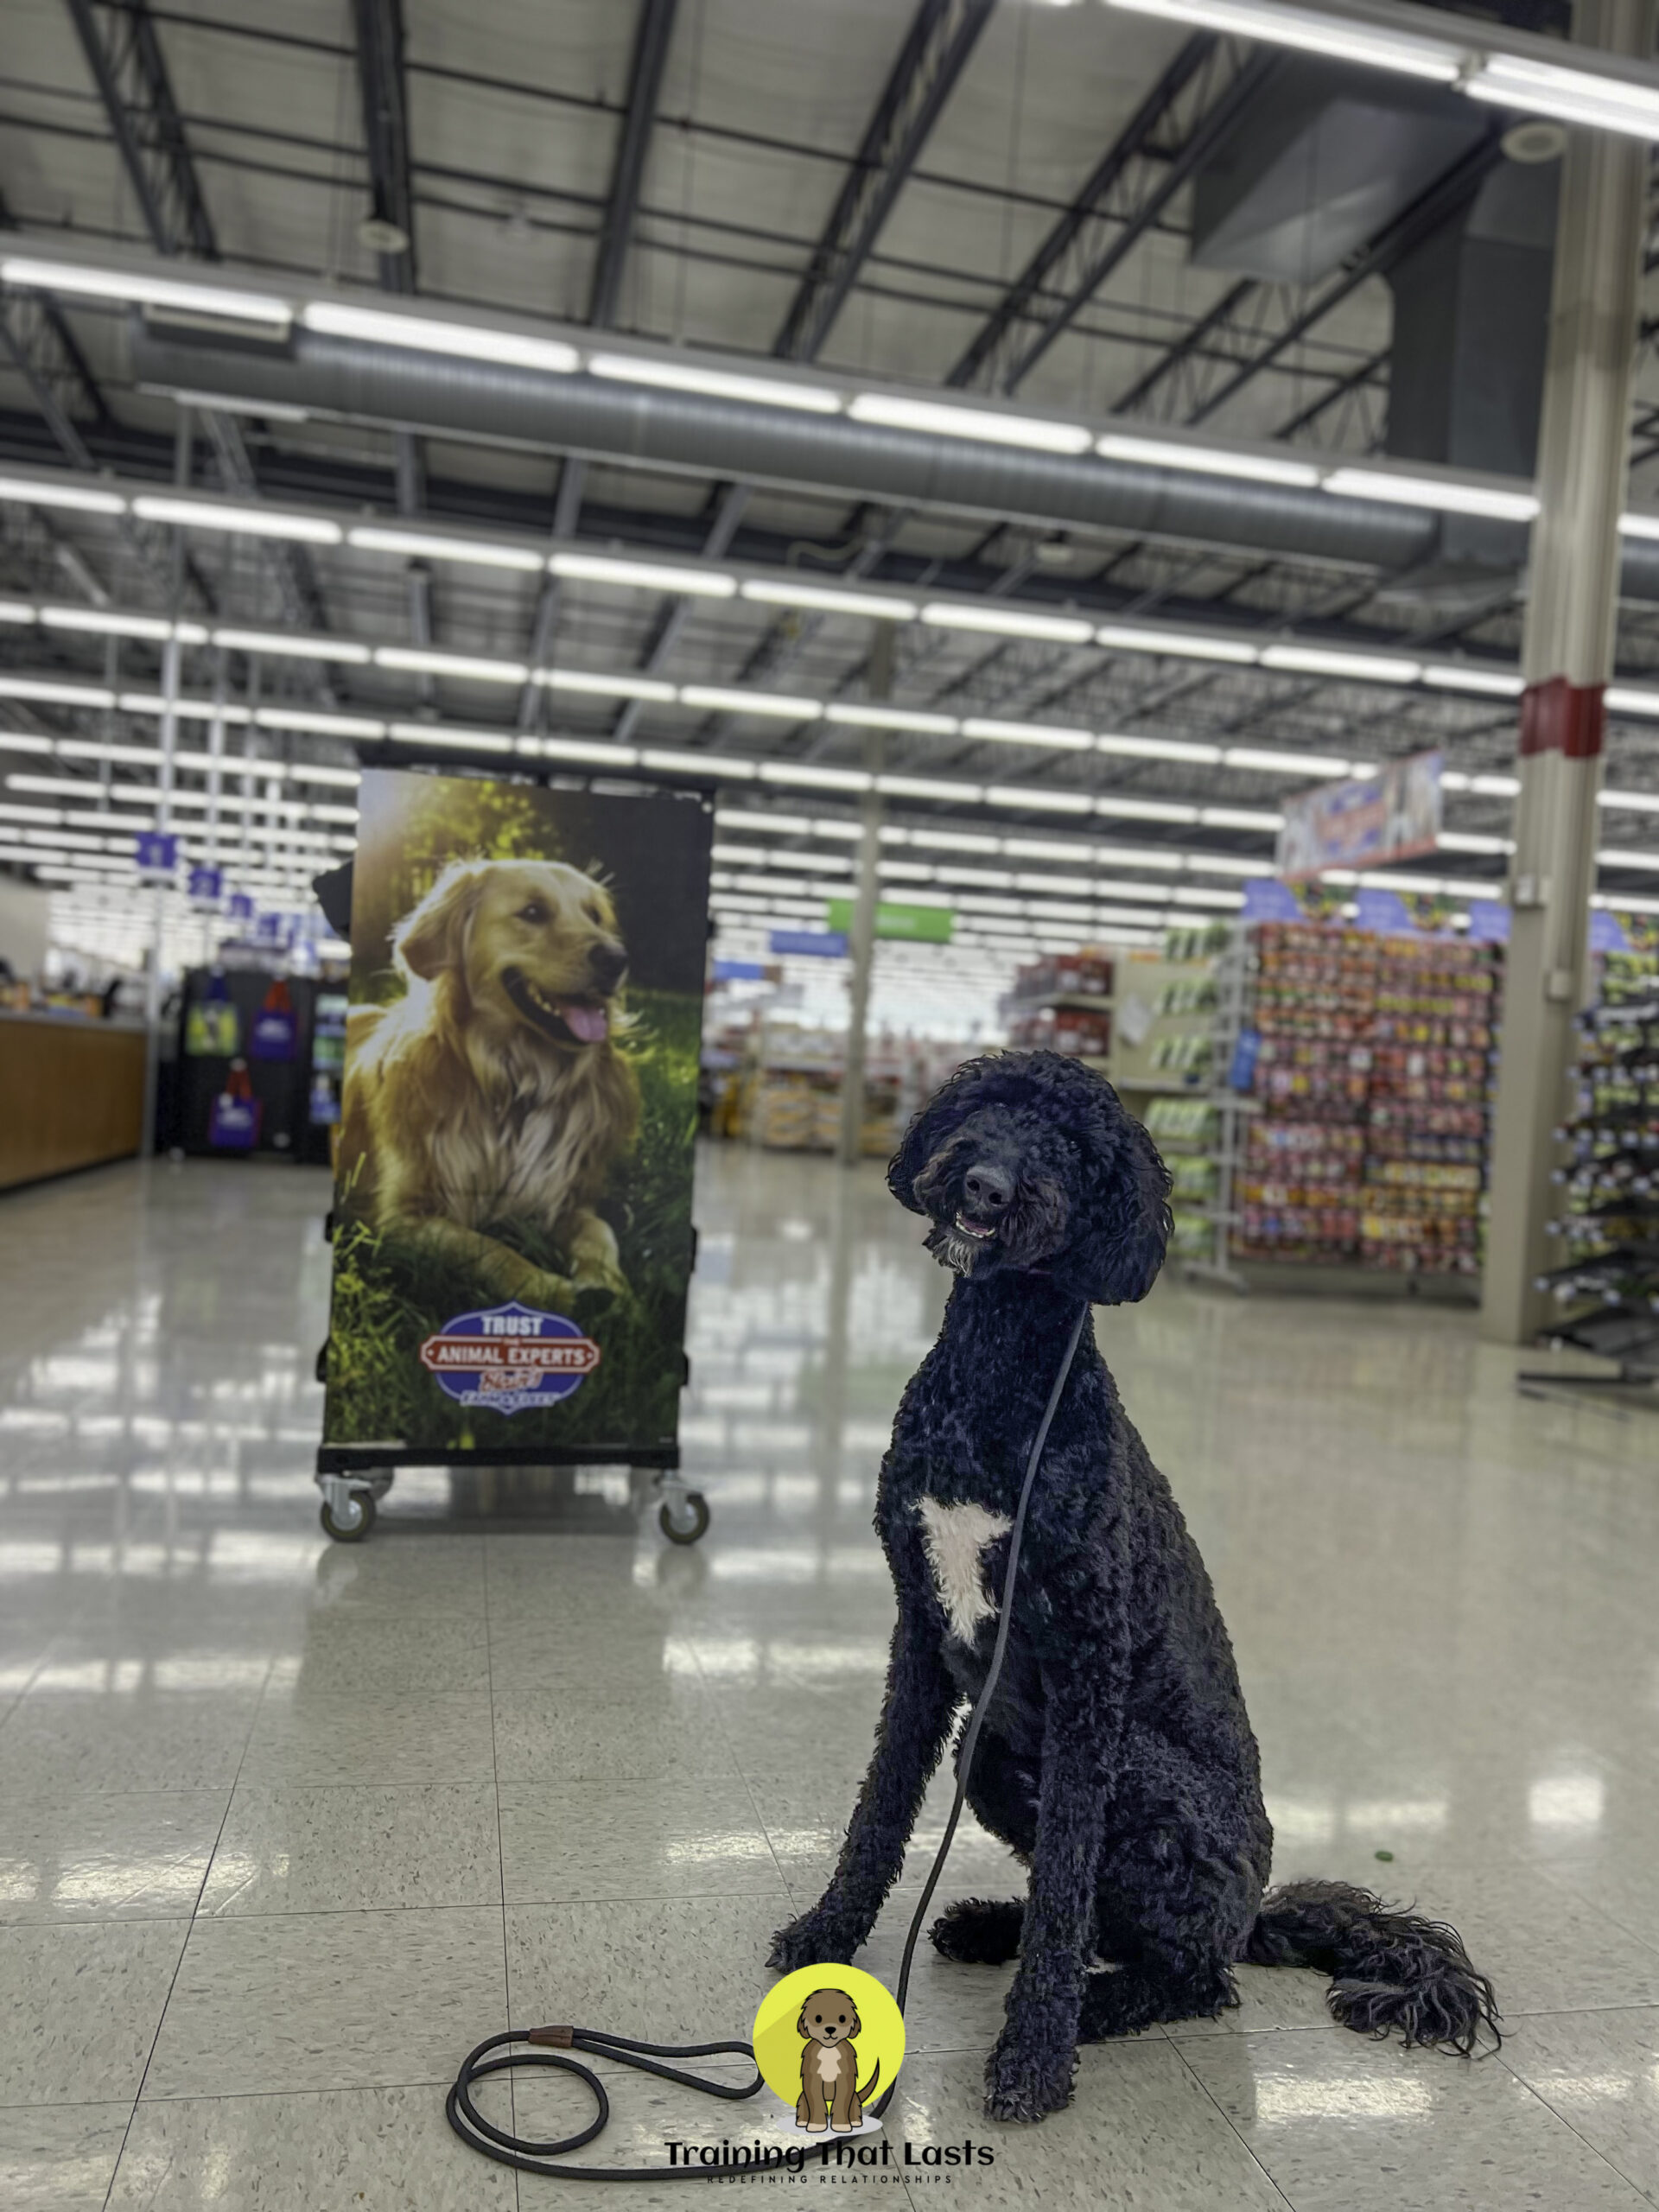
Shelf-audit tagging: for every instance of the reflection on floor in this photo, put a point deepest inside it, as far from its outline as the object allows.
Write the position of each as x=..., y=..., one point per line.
x=285, y=1827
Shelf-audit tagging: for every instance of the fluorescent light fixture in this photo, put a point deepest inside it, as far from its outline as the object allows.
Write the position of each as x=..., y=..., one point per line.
x=895, y=412
x=1440, y=61
x=1239, y=817
x=1044, y=801
x=107, y=623
x=291, y=644
x=1495, y=786
x=1457, y=676
x=718, y=384
x=877, y=717
x=1008, y=622
x=1285, y=764
x=720, y=698
x=51, y=692
x=190, y=710
x=252, y=520
x=17, y=740
x=943, y=841
x=1622, y=699
x=16, y=610
x=426, y=661
x=468, y=341
x=1615, y=856
x=1432, y=492
x=1147, y=810
x=305, y=772
x=719, y=766
x=1571, y=95
x=1629, y=525
x=1060, y=739
x=1465, y=841
x=142, y=289
x=1362, y=668
x=580, y=748
x=929, y=787
x=879, y=607
x=226, y=403
x=64, y=492
x=452, y=739
x=1159, y=748
x=1183, y=644
x=320, y=724
x=11, y=812
x=771, y=825
x=1635, y=801
x=591, y=684
x=1210, y=460
x=809, y=777
x=1186, y=895
x=435, y=545
x=643, y=575
x=1226, y=864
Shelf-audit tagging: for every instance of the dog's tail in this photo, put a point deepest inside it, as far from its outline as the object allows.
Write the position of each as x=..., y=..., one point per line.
x=864, y=2092
x=1392, y=1969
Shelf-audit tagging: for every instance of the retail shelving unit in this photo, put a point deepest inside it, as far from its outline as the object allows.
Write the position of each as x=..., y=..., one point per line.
x=1608, y=1286
x=1063, y=1004
x=1352, y=1098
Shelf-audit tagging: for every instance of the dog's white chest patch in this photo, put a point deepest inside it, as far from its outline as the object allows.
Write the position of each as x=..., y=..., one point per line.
x=829, y=2065
x=955, y=1539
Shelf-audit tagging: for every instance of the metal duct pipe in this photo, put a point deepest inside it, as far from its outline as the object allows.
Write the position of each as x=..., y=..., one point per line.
x=689, y=434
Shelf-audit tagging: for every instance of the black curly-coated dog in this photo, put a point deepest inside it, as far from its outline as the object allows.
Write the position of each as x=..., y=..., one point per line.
x=1116, y=1760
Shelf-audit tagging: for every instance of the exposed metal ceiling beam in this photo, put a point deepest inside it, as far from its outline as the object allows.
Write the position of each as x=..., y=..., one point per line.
x=1154, y=154
x=384, y=97
x=652, y=34
x=936, y=50
x=130, y=71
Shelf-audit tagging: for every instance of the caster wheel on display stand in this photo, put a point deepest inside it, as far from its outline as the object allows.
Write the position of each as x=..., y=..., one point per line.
x=685, y=1518
x=354, y=1522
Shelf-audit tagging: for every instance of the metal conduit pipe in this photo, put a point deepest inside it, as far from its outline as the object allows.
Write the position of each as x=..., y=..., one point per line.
x=690, y=433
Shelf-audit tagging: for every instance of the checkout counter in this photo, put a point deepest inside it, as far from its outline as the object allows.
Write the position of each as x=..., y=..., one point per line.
x=72, y=1093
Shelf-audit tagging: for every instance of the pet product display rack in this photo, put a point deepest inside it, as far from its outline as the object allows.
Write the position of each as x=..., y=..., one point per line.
x=1608, y=1287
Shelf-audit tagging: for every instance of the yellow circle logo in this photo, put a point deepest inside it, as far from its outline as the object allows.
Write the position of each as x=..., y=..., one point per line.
x=828, y=2040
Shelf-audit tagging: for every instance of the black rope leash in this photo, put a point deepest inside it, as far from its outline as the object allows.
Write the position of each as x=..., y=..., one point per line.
x=549, y=2047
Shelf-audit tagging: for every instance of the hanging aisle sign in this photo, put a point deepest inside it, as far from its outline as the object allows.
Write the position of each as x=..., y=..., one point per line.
x=157, y=855
x=915, y=925
x=1365, y=822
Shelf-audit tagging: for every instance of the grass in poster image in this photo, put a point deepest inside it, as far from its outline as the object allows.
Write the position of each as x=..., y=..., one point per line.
x=389, y=1296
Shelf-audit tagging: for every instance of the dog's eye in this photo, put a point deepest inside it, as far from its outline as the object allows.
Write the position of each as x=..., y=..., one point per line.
x=842, y=2017
x=817, y=2019
x=532, y=910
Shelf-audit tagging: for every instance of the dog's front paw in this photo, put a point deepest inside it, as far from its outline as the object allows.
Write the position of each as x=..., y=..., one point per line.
x=1023, y=2081
x=817, y=1938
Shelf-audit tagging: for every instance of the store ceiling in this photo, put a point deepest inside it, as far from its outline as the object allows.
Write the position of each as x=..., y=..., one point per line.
x=884, y=192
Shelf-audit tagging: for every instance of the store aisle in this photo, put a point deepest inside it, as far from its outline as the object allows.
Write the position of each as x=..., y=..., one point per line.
x=286, y=1826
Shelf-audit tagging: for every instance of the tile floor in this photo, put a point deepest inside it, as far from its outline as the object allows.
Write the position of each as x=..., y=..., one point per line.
x=286, y=1826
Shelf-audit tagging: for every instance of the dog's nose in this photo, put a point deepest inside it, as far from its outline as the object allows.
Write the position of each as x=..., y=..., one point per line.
x=607, y=963
x=987, y=1187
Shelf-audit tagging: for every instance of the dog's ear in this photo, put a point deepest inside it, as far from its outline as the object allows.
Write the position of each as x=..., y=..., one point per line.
x=429, y=940
x=947, y=1109
x=1128, y=1211
x=801, y=2028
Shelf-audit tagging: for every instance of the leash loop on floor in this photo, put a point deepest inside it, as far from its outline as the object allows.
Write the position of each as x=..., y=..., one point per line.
x=548, y=2046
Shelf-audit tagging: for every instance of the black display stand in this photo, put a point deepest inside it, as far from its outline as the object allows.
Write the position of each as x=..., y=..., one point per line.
x=283, y=1087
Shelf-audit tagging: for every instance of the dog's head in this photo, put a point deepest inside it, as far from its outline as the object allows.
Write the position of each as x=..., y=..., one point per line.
x=534, y=943
x=828, y=2016
x=1026, y=1162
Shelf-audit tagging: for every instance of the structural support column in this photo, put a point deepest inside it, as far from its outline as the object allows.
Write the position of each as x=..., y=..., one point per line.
x=1567, y=660
x=850, y=1148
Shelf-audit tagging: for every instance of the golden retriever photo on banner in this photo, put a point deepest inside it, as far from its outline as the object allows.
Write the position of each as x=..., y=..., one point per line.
x=517, y=1112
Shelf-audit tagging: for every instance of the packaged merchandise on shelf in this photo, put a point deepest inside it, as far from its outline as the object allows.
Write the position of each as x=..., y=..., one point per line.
x=1063, y=975
x=1084, y=1033
x=1371, y=1057
x=1184, y=1130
